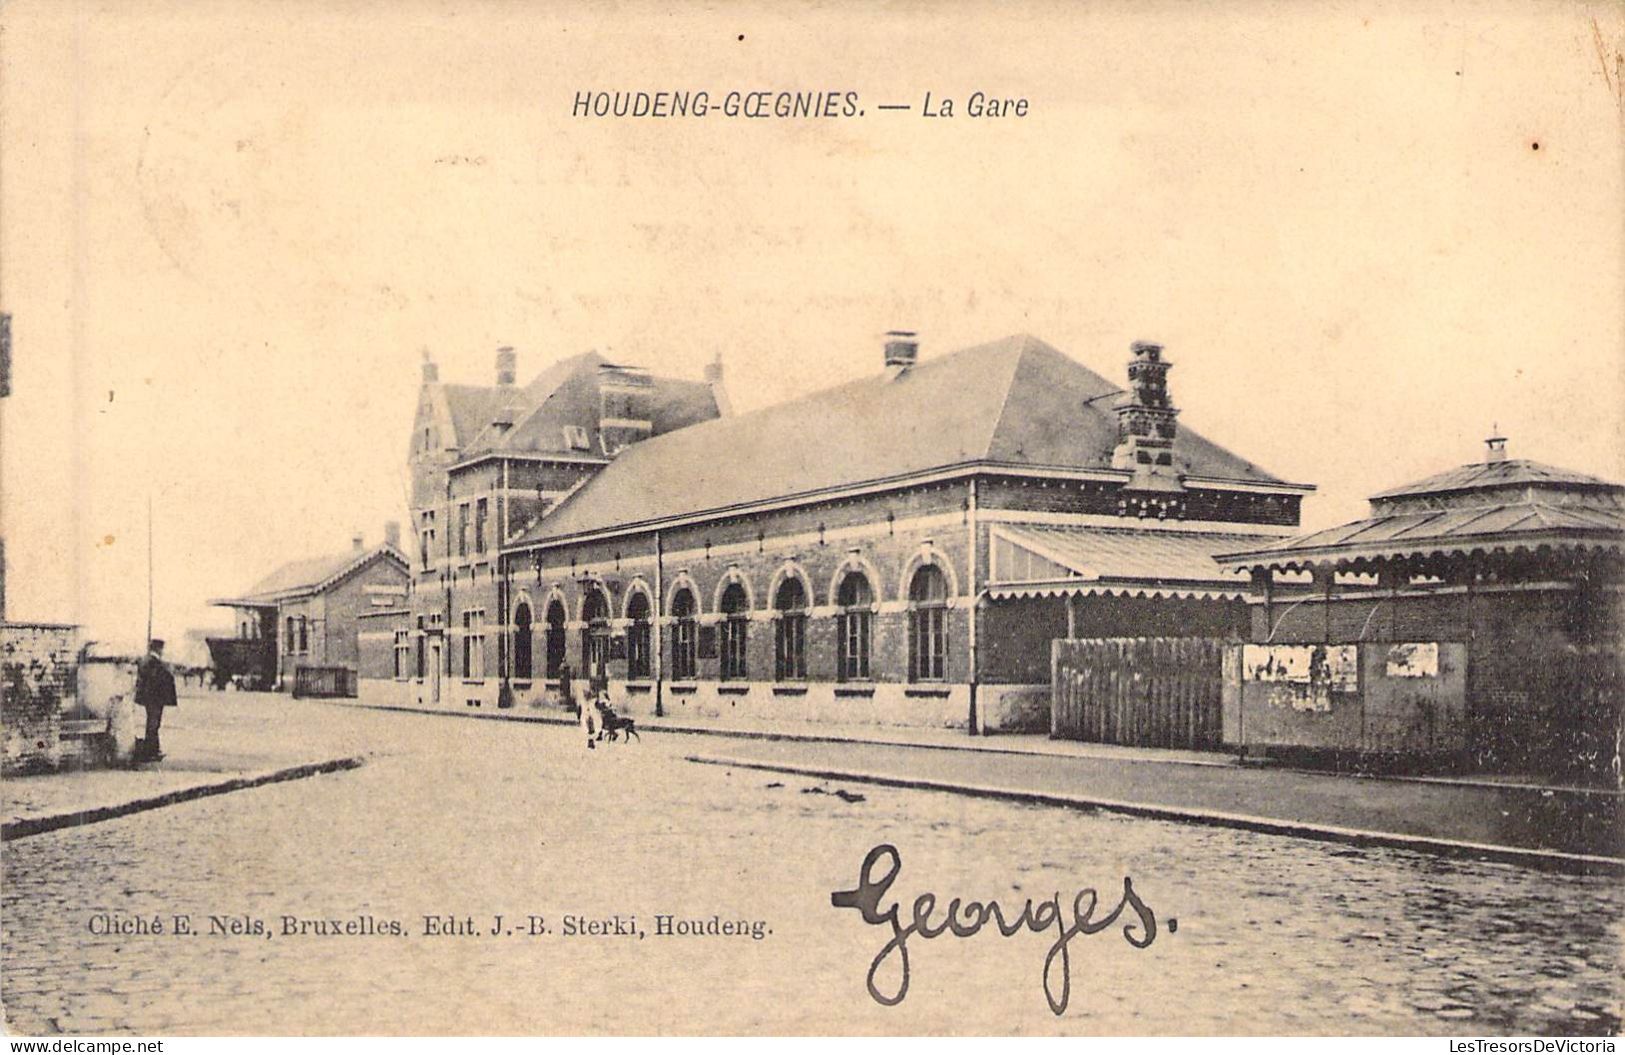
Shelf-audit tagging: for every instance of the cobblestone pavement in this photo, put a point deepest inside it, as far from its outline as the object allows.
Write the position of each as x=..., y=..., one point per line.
x=1501, y=816
x=470, y=819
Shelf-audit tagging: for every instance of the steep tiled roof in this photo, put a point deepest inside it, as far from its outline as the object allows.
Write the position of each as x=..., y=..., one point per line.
x=1016, y=401
x=1512, y=472
x=470, y=407
x=566, y=393
x=304, y=576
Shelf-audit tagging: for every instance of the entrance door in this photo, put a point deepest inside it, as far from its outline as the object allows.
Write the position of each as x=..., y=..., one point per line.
x=435, y=667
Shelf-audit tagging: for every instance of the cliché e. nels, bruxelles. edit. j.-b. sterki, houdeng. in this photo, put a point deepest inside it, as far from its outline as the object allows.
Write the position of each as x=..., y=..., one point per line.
x=789, y=105
x=964, y=919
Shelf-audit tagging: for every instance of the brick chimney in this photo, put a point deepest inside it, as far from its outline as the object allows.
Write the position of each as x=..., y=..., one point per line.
x=719, y=394
x=902, y=349
x=625, y=395
x=1495, y=448
x=431, y=372
x=356, y=542
x=392, y=533
x=1145, y=422
x=507, y=365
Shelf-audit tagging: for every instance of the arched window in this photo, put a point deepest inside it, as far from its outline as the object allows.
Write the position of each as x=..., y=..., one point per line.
x=595, y=635
x=855, y=626
x=790, y=631
x=521, y=641
x=684, y=636
x=555, y=638
x=637, y=636
x=927, y=624
x=735, y=627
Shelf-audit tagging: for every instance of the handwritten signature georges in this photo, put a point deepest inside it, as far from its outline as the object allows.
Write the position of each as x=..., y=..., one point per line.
x=963, y=919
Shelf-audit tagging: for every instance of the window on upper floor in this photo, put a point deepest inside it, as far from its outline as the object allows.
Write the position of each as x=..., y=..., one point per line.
x=481, y=513
x=462, y=530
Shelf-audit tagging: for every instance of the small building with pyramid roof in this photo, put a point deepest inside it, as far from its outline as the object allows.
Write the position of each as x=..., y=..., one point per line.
x=1516, y=562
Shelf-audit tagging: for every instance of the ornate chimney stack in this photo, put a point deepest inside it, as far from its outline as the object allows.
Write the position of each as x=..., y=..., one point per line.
x=1145, y=422
x=1495, y=446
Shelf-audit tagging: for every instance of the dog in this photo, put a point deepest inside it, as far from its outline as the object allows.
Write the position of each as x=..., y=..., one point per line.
x=614, y=725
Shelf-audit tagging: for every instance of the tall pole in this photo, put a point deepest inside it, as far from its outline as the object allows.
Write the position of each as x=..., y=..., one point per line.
x=149, y=566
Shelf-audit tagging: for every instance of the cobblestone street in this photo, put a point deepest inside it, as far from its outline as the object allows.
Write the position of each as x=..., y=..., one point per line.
x=456, y=818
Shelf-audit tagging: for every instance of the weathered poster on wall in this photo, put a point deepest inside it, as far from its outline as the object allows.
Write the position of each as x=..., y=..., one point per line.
x=1416, y=659
x=1337, y=667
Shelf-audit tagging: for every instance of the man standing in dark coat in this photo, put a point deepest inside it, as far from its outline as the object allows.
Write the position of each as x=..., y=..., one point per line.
x=154, y=690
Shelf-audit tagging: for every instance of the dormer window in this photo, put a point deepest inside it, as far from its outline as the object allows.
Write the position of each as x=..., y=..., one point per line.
x=575, y=438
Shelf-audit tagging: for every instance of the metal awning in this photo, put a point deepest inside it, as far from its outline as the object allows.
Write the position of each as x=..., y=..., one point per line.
x=1450, y=532
x=1033, y=560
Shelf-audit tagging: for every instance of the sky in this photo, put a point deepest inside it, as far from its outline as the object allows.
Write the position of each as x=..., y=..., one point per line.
x=1366, y=233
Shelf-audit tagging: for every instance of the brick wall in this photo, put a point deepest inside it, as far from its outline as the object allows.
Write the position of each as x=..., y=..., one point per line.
x=38, y=680
x=1523, y=647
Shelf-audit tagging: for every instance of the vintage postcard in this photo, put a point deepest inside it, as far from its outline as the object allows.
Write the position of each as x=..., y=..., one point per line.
x=815, y=518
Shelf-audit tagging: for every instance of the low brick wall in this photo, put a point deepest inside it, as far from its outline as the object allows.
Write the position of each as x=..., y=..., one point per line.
x=38, y=681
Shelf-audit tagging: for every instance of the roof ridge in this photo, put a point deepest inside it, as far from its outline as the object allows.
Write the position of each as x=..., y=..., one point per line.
x=537, y=404
x=1027, y=340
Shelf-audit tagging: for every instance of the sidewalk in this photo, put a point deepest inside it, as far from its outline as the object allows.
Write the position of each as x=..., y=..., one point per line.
x=1570, y=829
x=213, y=743
x=958, y=740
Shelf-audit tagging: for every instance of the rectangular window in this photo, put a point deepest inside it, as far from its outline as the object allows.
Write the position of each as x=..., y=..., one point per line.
x=790, y=647
x=474, y=644
x=304, y=635
x=732, y=647
x=423, y=666
x=855, y=634
x=462, y=530
x=423, y=551
x=290, y=639
x=403, y=652
x=684, y=649
x=481, y=512
x=927, y=644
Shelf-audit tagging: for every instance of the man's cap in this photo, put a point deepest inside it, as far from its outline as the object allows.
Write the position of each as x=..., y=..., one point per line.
x=155, y=645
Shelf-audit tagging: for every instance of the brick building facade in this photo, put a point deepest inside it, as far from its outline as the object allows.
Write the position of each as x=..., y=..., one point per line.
x=311, y=613
x=900, y=549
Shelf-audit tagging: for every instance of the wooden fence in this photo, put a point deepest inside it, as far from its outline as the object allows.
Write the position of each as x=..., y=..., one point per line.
x=324, y=681
x=1138, y=691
